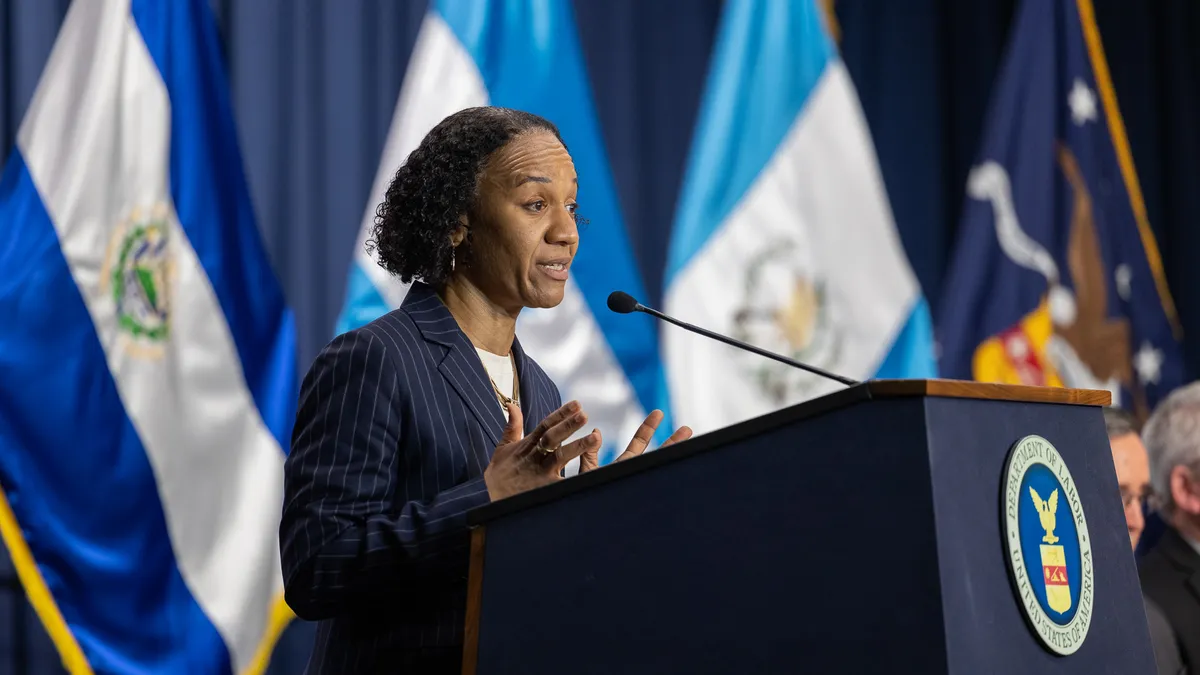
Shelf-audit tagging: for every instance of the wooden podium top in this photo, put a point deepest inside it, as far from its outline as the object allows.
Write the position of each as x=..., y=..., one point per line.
x=861, y=392
x=998, y=392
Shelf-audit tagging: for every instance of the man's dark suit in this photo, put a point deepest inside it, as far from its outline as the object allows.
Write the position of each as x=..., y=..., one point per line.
x=1170, y=575
x=397, y=421
x=1163, y=641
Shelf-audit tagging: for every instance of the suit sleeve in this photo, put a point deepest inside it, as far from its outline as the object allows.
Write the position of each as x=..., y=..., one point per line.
x=345, y=545
x=1163, y=641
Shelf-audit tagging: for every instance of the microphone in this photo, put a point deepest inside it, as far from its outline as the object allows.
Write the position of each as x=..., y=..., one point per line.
x=624, y=303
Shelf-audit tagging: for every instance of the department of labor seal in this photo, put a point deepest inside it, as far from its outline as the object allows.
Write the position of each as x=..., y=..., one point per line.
x=139, y=275
x=1049, y=549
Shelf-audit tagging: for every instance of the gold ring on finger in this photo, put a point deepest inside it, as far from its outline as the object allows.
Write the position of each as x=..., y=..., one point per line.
x=543, y=448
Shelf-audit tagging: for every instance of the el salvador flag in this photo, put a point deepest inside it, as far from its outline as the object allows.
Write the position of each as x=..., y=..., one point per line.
x=147, y=366
x=524, y=54
x=784, y=236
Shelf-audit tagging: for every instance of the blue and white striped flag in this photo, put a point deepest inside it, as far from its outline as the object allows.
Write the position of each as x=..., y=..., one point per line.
x=147, y=365
x=525, y=54
x=784, y=236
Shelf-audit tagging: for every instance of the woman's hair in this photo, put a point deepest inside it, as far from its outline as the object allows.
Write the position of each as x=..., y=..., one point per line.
x=439, y=183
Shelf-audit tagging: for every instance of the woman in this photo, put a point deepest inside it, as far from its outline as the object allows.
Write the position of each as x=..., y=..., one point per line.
x=407, y=423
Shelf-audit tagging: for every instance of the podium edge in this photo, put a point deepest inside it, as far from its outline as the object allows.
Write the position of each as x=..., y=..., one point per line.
x=474, y=601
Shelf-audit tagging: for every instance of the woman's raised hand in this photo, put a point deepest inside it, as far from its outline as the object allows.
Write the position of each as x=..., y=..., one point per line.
x=641, y=440
x=522, y=463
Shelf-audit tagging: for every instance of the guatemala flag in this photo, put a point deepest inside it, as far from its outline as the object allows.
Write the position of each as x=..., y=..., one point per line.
x=784, y=236
x=1056, y=279
x=524, y=54
x=147, y=359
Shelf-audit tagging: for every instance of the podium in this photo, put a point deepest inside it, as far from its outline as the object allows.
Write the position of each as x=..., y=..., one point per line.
x=866, y=531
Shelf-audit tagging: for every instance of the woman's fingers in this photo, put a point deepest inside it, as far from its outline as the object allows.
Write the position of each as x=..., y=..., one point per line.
x=561, y=424
x=547, y=444
x=563, y=430
x=681, y=434
x=565, y=413
x=643, y=435
x=587, y=449
x=515, y=426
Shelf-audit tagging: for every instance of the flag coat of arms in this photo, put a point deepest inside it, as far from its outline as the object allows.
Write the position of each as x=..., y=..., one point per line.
x=147, y=374
x=1056, y=278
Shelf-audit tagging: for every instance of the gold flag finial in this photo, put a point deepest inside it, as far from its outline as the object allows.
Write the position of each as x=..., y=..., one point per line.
x=831, y=22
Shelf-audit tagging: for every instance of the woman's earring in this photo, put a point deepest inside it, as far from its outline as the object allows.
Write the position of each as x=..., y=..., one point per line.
x=452, y=257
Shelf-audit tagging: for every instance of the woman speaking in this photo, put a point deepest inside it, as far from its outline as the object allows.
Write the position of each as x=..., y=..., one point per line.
x=407, y=423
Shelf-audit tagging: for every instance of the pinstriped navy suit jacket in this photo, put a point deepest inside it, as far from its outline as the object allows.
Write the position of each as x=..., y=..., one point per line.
x=397, y=421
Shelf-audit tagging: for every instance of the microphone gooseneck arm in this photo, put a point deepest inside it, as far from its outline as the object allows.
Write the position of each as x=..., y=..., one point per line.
x=623, y=303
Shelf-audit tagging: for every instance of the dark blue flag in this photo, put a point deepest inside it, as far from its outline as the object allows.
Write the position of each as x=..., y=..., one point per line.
x=1056, y=279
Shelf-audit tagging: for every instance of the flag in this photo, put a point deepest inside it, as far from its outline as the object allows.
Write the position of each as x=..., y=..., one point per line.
x=783, y=235
x=147, y=361
x=1056, y=279
x=525, y=54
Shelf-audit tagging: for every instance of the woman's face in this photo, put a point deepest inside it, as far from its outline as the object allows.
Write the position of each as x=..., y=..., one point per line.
x=523, y=231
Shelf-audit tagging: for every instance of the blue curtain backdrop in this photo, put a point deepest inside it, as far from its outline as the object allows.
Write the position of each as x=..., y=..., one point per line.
x=315, y=82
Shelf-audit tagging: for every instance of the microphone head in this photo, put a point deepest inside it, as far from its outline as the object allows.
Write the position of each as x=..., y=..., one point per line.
x=622, y=302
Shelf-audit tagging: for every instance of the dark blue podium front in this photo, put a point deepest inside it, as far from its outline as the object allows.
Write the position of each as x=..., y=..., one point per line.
x=862, y=532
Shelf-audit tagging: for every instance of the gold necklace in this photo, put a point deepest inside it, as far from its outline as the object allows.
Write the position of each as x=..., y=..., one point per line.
x=505, y=400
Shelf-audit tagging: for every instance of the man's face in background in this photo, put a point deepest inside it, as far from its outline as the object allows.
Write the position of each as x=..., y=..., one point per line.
x=1133, y=475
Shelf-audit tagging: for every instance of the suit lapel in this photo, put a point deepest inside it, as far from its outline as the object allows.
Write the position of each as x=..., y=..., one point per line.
x=532, y=407
x=461, y=365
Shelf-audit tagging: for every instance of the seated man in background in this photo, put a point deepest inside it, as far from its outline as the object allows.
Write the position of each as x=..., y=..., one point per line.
x=1133, y=475
x=1170, y=569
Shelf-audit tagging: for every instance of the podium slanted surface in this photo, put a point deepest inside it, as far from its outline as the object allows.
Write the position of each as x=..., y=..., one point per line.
x=896, y=526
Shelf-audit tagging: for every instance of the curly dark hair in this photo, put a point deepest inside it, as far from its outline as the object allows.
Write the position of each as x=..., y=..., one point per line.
x=438, y=183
